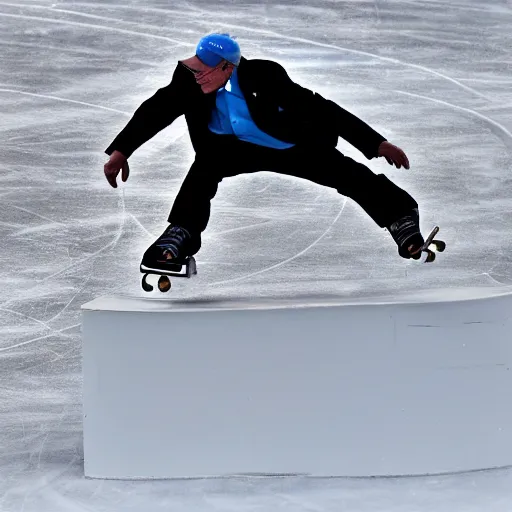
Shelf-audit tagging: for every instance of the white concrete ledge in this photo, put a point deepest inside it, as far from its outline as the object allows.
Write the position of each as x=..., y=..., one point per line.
x=325, y=388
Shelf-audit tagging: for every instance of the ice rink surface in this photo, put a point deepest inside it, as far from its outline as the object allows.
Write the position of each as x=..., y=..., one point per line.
x=434, y=77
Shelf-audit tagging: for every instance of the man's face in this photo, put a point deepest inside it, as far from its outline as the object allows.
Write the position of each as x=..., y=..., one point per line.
x=210, y=79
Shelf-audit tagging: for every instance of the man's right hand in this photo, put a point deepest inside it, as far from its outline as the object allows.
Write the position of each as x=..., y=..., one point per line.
x=117, y=163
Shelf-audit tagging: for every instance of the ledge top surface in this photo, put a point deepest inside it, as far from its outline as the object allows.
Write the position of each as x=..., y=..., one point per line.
x=168, y=303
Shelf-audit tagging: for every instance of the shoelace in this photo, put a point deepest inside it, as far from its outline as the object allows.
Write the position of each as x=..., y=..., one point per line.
x=174, y=235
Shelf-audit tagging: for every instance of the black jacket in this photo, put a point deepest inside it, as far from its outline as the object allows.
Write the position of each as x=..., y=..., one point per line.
x=277, y=105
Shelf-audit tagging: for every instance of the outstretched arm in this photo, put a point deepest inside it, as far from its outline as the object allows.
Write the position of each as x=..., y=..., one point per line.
x=355, y=131
x=348, y=126
x=153, y=115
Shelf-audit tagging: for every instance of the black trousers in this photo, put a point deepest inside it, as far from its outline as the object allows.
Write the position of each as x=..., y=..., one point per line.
x=226, y=156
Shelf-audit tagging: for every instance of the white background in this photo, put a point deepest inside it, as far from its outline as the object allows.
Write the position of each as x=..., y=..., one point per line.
x=433, y=77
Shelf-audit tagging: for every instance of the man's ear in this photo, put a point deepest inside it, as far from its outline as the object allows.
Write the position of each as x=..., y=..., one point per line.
x=228, y=65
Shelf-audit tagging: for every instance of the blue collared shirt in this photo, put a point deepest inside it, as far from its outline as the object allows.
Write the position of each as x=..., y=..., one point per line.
x=232, y=117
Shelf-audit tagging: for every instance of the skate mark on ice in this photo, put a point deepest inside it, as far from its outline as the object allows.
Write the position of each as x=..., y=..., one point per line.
x=40, y=322
x=54, y=428
x=494, y=126
x=425, y=69
x=71, y=300
x=264, y=189
x=59, y=333
x=98, y=17
x=11, y=225
x=84, y=260
x=46, y=482
x=496, y=106
x=241, y=228
x=193, y=10
x=58, y=357
x=377, y=11
x=137, y=221
x=284, y=262
x=66, y=100
x=34, y=213
x=487, y=274
x=487, y=80
x=40, y=46
x=266, y=32
x=99, y=251
x=99, y=27
x=433, y=38
x=445, y=5
x=75, y=351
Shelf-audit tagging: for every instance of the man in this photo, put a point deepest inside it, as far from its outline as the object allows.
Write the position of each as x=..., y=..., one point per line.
x=246, y=116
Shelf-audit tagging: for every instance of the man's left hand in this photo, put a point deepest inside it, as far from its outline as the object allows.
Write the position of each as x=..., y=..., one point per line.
x=394, y=155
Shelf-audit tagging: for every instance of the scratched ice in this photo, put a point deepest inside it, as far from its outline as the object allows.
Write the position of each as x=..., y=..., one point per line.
x=433, y=76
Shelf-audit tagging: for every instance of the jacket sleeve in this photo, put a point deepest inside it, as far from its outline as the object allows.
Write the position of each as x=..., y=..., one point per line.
x=313, y=105
x=355, y=131
x=156, y=113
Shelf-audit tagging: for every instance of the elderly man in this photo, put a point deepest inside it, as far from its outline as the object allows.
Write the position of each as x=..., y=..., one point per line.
x=246, y=116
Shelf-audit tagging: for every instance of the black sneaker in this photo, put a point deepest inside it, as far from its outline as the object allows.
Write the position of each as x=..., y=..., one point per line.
x=406, y=233
x=173, y=243
x=173, y=247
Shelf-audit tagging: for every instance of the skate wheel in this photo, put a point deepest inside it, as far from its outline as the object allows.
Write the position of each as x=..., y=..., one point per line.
x=439, y=245
x=145, y=285
x=192, y=267
x=431, y=256
x=164, y=284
